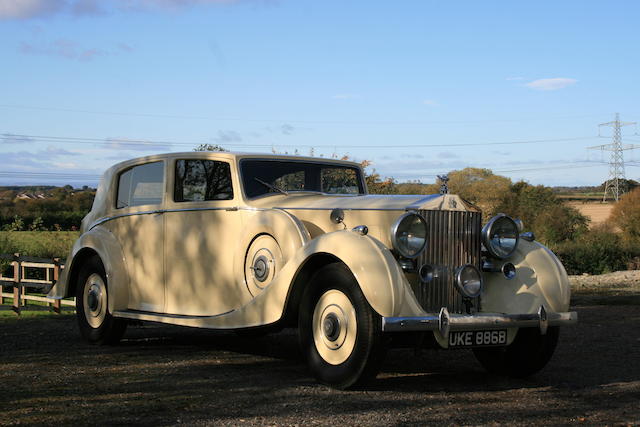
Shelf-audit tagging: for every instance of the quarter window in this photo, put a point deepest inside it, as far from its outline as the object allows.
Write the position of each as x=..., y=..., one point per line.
x=200, y=180
x=141, y=185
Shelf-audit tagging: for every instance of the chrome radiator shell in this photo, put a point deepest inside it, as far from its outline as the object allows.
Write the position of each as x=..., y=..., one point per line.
x=453, y=239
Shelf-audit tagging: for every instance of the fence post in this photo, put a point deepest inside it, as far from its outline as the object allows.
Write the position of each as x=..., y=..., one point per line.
x=56, y=275
x=16, y=283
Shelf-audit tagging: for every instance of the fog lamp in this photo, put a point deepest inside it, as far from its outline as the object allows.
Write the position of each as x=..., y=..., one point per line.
x=469, y=281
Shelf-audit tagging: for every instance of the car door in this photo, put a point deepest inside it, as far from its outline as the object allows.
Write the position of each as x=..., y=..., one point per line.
x=202, y=225
x=138, y=225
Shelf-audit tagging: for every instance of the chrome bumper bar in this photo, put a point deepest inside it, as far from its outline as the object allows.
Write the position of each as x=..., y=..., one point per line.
x=445, y=322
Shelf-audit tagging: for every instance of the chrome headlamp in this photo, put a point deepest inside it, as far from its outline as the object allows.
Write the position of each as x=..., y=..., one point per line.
x=500, y=236
x=409, y=235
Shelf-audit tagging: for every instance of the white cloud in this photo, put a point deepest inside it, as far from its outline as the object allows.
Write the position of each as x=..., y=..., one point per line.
x=9, y=138
x=227, y=137
x=62, y=48
x=68, y=165
x=30, y=9
x=134, y=145
x=430, y=102
x=26, y=9
x=55, y=151
x=447, y=155
x=551, y=84
x=287, y=129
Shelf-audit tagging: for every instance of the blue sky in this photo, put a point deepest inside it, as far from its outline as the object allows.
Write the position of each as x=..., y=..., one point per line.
x=418, y=87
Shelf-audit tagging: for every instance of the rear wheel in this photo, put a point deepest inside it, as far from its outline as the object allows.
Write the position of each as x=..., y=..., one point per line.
x=529, y=352
x=339, y=332
x=96, y=324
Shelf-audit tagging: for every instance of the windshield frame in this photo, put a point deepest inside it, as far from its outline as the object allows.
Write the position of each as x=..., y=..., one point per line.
x=362, y=185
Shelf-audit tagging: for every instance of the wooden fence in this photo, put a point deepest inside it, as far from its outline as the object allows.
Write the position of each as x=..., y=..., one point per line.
x=31, y=274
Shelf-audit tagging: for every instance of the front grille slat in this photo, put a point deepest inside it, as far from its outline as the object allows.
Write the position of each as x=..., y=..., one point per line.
x=453, y=240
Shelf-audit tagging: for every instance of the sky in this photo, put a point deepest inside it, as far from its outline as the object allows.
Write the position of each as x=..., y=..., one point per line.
x=419, y=88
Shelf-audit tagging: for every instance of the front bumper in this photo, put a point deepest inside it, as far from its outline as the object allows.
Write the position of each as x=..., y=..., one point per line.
x=445, y=322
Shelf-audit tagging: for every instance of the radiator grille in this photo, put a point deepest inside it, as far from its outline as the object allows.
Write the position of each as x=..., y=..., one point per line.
x=453, y=240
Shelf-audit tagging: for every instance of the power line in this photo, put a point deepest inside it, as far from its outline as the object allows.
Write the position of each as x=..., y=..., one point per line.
x=24, y=138
x=58, y=175
x=280, y=120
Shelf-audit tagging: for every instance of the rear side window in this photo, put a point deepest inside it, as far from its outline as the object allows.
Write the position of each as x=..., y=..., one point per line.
x=141, y=185
x=200, y=180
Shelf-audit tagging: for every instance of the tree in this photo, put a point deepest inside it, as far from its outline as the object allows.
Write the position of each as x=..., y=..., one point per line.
x=626, y=215
x=626, y=185
x=542, y=212
x=209, y=147
x=480, y=187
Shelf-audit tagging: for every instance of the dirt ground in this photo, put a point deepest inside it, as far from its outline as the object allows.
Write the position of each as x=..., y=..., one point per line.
x=597, y=212
x=166, y=375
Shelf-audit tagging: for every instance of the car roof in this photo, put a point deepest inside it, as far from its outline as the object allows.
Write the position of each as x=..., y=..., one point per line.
x=229, y=155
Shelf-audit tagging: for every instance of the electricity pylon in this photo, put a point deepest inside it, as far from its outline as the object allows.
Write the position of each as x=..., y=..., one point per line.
x=615, y=182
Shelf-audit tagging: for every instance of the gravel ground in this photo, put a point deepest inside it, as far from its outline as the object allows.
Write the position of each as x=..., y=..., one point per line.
x=166, y=375
x=619, y=281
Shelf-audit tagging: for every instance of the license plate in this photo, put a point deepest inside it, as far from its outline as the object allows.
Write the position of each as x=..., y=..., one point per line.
x=459, y=339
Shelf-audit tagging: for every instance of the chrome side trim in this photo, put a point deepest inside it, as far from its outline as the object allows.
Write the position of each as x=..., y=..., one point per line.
x=344, y=209
x=445, y=322
x=124, y=215
x=162, y=211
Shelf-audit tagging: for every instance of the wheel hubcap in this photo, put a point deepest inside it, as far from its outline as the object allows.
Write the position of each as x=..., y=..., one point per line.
x=261, y=268
x=334, y=327
x=95, y=300
x=331, y=327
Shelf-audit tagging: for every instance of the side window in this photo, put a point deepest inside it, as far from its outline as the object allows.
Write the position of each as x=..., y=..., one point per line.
x=200, y=180
x=141, y=185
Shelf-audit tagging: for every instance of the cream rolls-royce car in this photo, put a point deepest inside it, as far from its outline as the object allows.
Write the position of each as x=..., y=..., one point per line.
x=252, y=242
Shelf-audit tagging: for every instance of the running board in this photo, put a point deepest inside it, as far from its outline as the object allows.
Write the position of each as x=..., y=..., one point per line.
x=173, y=319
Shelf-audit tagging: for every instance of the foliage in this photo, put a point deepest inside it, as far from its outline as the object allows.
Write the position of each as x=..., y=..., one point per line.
x=480, y=187
x=417, y=187
x=56, y=208
x=209, y=147
x=16, y=225
x=626, y=185
x=626, y=215
x=598, y=251
x=543, y=213
x=41, y=244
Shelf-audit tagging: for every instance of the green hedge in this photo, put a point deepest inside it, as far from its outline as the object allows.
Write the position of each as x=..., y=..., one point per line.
x=598, y=252
x=41, y=244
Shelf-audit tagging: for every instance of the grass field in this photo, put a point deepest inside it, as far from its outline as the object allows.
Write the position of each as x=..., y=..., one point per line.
x=597, y=212
x=42, y=244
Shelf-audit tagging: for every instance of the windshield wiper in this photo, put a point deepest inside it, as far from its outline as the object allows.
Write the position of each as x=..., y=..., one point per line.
x=271, y=186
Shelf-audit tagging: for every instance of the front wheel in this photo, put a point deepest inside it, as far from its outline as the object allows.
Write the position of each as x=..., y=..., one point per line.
x=529, y=352
x=339, y=332
x=96, y=324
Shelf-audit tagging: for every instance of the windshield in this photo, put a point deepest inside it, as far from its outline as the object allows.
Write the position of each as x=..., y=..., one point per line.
x=280, y=176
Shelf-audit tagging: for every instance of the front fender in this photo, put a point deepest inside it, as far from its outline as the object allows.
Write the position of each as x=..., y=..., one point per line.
x=381, y=279
x=105, y=245
x=540, y=280
x=372, y=264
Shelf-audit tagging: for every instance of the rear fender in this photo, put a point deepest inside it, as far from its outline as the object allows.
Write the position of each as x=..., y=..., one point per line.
x=101, y=242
